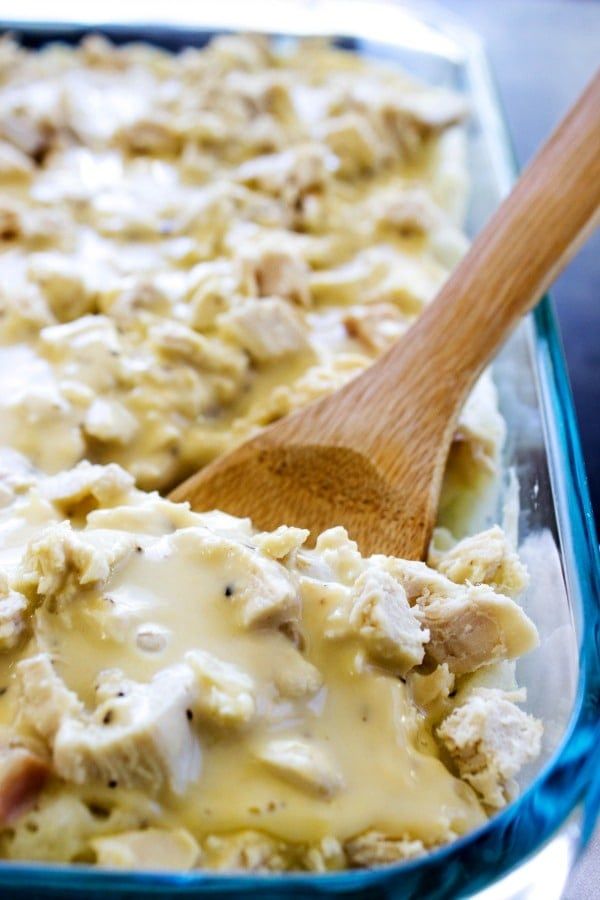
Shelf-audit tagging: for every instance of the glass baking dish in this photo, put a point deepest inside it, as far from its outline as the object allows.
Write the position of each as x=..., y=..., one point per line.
x=527, y=850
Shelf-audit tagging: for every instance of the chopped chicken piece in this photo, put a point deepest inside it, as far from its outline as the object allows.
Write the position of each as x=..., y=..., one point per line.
x=14, y=164
x=14, y=608
x=142, y=739
x=63, y=286
x=341, y=554
x=291, y=174
x=24, y=312
x=13, y=619
x=61, y=562
x=258, y=587
x=433, y=108
x=30, y=130
x=419, y=581
x=280, y=274
x=155, y=516
x=475, y=627
x=109, y=420
x=246, y=851
x=484, y=558
x=176, y=341
x=268, y=328
x=490, y=739
x=246, y=52
x=225, y=694
x=408, y=212
x=156, y=849
x=23, y=774
x=376, y=849
x=303, y=764
x=45, y=417
x=45, y=699
x=297, y=677
x=149, y=136
x=355, y=142
x=61, y=824
x=212, y=285
x=87, y=485
x=325, y=856
x=280, y=543
x=376, y=326
x=384, y=621
x=127, y=302
x=91, y=343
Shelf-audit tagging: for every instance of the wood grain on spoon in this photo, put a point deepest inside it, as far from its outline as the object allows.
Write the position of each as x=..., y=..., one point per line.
x=372, y=455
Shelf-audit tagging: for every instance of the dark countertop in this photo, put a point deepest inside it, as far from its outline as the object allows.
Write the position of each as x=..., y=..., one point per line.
x=543, y=52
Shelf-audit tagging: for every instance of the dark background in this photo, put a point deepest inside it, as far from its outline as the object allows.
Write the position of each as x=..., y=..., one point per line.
x=543, y=52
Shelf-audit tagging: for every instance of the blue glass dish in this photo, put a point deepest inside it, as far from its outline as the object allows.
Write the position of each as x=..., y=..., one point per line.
x=525, y=851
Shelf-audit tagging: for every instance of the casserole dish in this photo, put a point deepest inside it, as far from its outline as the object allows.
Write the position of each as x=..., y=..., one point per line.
x=563, y=675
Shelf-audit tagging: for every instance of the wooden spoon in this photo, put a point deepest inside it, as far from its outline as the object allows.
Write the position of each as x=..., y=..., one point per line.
x=371, y=456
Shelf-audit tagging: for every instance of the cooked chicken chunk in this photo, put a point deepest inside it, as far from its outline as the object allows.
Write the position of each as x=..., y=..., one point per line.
x=355, y=142
x=141, y=739
x=373, y=848
x=224, y=694
x=61, y=563
x=490, y=739
x=14, y=164
x=303, y=764
x=376, y=326
x=280, y=543
x=384, y=621
x=247, y=851
x=473, y=627
x=13, y=615
x=60, y=826
x=280, y=274
x=484, y=558
x=89, y=486
x=289, y=175
x=45, y=699
x=110, y=420
x=297, y=677
x=261, y=590
x=268, y=328
x=153, y=848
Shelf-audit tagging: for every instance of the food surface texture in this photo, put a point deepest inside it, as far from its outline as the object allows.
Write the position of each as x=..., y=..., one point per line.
x=192, y=246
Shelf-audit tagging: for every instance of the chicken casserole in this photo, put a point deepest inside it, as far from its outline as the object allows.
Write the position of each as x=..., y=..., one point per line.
x=193, y=245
